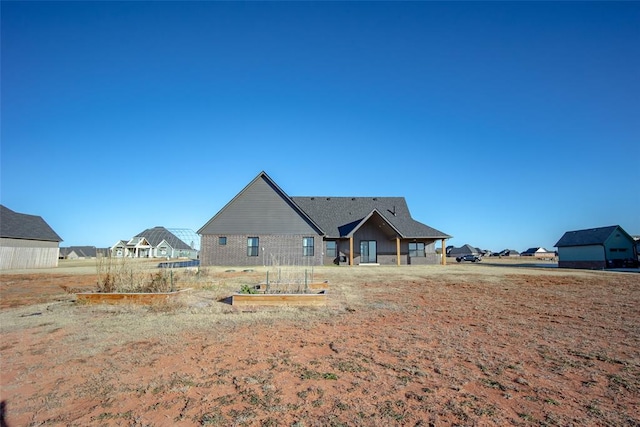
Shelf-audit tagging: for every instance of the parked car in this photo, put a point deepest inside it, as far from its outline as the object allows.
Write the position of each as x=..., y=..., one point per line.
x=472, y=258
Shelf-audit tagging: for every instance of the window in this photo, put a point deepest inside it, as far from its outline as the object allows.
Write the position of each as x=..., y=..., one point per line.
x=332, y=249
x=416, y=249
x=222, y=241
x=163, y=251
x=307, y=246
x=252, y=246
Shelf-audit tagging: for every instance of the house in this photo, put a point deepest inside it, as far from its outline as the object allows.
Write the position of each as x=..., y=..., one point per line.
x=507, y=252
x=463, y=250
x=82, y=252
x=78, y=252
x=26, y=241
x=156, y=242
x=262, y=225
x=597, y=248
x=540, y=253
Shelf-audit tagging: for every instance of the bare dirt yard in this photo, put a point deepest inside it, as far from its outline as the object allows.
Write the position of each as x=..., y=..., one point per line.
x=459, y=345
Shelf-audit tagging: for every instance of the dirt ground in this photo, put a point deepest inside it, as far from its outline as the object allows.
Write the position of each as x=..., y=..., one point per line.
x=467, y=345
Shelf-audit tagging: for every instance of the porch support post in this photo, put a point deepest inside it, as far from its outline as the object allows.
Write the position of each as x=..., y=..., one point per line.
x=398, y=249
x=444, y=252
x=351, y=250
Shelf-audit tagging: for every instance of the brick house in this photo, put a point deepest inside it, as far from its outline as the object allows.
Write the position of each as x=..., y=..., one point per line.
x=262, y=225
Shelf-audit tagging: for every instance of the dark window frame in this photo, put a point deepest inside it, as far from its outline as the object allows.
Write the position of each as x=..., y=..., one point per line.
x=308, y=250
x=253, y=249
x=222, y=240
x=332, y=252
x=417, y=251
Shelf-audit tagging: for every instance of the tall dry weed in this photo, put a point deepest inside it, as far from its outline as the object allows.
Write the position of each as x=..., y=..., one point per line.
x=126, y=275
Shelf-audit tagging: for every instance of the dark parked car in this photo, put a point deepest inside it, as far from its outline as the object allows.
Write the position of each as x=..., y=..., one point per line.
x=472, y=258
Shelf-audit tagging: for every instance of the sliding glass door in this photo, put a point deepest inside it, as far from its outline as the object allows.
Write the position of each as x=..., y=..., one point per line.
x=368, y=251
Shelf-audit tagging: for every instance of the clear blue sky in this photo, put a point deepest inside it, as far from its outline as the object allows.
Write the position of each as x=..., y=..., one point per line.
x=503, y=124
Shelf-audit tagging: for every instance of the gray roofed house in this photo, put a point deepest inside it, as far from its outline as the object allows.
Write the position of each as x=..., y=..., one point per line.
x=539, y=253
x=262, y=225
x=26, y=241
x=156, y=235
x=597, y=248
x=531, y=251
x=508, y=252
x=78, y=252
x=156, y=242
x=463, y=250
x=82, y=252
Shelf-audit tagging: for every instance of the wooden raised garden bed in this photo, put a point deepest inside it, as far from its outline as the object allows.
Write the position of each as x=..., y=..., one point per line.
x=313, y=299
x=128, y=298
x=316, y=286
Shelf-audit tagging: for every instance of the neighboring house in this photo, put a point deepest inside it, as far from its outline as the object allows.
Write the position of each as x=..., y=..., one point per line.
x=506, y=252
x=540, y=253
x=509, y=252
x=156, y=242
x=26, y=241
x=463, y=250
x=82, y=252
x=119, y=250
x=262, y=225
x=597, y=248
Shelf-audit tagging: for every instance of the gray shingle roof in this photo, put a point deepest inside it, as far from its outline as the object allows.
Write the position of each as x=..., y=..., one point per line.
x=589, y=236
x=82, y=251
x=338, y=216
x=16, y=225
x=156, y=235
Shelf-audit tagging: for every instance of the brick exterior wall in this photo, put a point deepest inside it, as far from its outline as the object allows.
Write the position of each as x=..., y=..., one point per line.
x=278, y=250
x=287, y=250
x=428, y=259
